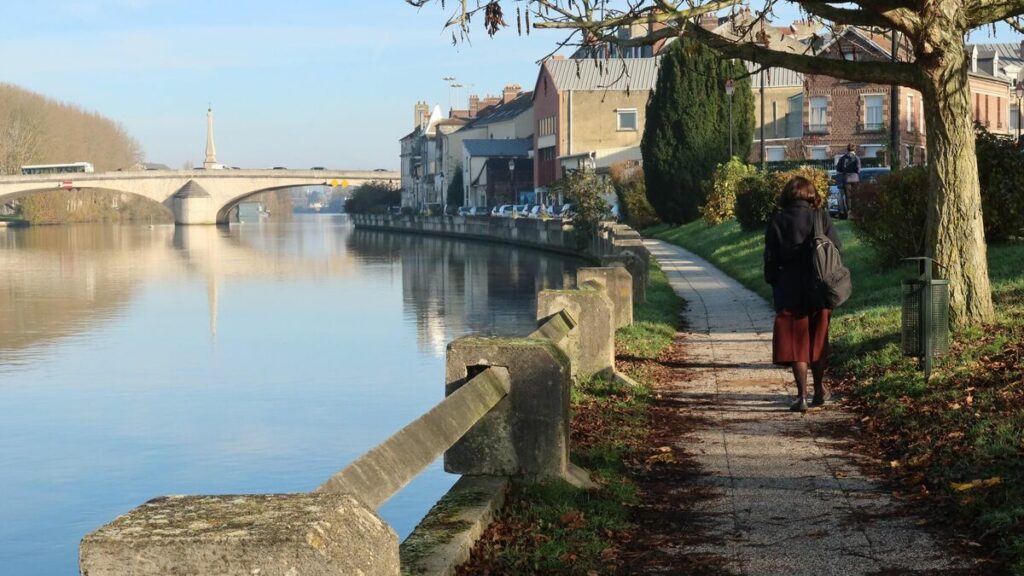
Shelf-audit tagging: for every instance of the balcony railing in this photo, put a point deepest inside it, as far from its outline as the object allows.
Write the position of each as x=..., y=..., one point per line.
x=817, y=128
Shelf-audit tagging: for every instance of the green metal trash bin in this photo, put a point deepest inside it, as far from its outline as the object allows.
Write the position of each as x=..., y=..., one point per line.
x=925, y=315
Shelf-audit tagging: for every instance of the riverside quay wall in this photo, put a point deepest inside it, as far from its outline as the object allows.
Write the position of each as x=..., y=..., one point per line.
x=505, y=417
x=612, y=245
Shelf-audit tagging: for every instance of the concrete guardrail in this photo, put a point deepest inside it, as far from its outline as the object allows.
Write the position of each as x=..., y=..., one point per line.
x=505, y=416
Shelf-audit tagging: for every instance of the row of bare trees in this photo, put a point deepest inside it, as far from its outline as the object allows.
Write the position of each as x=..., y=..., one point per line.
x=37, y=130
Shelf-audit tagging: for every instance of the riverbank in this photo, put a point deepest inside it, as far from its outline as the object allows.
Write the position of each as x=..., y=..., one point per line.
x=555, y=528
x=956, y=442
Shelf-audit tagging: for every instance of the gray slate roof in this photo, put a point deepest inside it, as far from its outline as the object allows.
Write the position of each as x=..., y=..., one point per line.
x=192, y=190
x=1009, y=52
x=518, y=147
x=599, y=74
x=503, y=112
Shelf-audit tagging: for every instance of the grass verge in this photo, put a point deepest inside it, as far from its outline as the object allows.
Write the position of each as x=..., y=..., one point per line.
x=957, y=440
x=554, y=528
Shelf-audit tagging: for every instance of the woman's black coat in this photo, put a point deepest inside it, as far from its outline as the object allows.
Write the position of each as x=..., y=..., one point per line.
x=787, y=257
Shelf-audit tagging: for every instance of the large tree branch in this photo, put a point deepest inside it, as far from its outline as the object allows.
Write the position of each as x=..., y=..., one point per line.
x=901, y=19
x=982, y=12
x=902, y=73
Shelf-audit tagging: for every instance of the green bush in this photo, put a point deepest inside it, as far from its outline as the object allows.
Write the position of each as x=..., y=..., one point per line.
x=1002, y=186
x=631, y=191
x=586, y=191
x=756, y=199
x=757, y=195
x=891, y=213
x=720, y=199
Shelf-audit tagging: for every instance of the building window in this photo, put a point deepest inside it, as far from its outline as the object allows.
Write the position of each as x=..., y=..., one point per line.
x=774, y=153
x=818, y=120
x=873, y=117
x=627, y=119
x=546, y=126
x=871, y=150
x=910, y=155
x=910, y=113
x=547, y=154
x=819, y=152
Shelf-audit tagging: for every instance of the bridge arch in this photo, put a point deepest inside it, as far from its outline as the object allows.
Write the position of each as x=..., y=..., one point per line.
x=163, y=209
x=224, y=211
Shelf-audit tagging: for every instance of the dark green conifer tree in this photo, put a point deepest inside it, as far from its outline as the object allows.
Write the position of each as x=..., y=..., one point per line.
x=686, y=134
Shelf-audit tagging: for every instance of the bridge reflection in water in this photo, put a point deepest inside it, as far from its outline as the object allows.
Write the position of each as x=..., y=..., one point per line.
x=137, y=361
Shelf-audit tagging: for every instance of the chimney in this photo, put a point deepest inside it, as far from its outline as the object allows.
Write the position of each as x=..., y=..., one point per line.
x=709, y=21
x=422, y=113
x=474, y=105
x=974, y=59
x=510, y=93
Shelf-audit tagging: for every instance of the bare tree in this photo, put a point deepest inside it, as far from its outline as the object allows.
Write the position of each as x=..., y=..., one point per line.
x=20, y=141
x=934, y=31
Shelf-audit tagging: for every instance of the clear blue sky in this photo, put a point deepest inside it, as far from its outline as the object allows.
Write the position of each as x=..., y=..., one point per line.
x=297, y=84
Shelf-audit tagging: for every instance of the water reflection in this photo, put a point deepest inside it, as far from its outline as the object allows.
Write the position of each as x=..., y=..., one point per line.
x=138, y=361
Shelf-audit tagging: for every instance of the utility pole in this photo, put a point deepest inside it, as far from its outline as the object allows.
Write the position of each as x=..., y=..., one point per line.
x=894, y=112
x=764, y=161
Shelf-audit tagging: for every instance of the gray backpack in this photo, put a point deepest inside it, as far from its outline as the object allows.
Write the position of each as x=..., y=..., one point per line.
x=831, y=280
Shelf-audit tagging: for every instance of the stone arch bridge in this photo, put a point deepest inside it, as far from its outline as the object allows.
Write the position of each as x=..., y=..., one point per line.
x=194, y=196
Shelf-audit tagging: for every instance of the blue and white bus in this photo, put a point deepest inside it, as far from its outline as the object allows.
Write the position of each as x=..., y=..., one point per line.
x=73, y=168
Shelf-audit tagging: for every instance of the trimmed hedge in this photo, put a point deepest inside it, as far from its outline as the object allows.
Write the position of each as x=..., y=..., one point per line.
x=891, y=213
x=720, y=198
x=757, y=195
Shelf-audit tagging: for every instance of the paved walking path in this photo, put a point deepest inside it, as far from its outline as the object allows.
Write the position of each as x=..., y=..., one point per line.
x=786, y=499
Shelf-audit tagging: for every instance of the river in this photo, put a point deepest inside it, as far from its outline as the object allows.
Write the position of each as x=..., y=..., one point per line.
x=140, y=361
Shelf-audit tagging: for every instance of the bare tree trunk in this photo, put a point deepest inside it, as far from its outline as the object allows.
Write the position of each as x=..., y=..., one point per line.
x=955, y=233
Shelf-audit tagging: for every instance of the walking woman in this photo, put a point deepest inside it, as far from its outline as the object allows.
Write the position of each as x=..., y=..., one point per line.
x=801, y=318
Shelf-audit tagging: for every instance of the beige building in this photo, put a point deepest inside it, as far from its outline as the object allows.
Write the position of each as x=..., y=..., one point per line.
x=589, y=112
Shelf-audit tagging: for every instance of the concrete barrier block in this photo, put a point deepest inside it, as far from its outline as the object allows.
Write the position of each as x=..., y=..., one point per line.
x=618, y=286
x=593, y=341
x=445, y=537
x=637, y=268
x=527, y=433
x=269, y=535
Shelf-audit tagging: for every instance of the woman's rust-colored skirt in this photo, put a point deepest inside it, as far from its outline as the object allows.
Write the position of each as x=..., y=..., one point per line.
x=801, y=337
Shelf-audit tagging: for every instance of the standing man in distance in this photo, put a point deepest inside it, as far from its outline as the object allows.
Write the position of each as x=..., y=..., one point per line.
x=848, y=168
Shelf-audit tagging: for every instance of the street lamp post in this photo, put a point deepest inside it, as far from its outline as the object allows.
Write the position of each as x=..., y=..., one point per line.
x=512, y=178
x=729, y=89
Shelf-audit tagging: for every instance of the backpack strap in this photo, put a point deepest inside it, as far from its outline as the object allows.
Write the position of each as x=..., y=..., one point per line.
x=819, y=223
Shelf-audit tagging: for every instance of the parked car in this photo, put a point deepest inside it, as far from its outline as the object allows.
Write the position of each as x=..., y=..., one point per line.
x=566, y=212
x=503, y=211
x=451, y=209
x=535, y=212
x=523, y=210
x=431, y=209
x=317, y=168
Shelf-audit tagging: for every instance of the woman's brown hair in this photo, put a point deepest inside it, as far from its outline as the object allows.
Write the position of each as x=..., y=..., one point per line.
x=800, y=188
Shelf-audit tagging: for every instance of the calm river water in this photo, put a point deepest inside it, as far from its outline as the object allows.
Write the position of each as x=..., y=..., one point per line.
x=137, y=362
